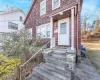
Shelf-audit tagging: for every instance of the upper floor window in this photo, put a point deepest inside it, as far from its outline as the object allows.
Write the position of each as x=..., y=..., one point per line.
x=55, y=4
x=13, y=26
x=43, y=7
x=21, y=19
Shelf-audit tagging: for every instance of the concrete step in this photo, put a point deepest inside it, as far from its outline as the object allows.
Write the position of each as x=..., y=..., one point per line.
x=40, y=75
x=60, y=48
x=66, y=74
x=63, y=50
x=55, y=57
x=59, y=52
x=56, y=62
x=53, y=72
x=43, y=74
x=32, y=77
x=62, y=67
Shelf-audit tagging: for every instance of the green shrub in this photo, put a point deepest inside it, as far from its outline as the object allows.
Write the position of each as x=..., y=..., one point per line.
x=7, y=66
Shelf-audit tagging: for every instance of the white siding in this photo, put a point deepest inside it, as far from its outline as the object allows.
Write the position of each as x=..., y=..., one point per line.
x=11, y=17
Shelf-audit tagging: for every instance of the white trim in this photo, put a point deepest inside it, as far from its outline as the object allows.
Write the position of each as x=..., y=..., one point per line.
x=68, y=32
x=52, y=42
x=56, y=7
x=45, y=25
x=44, y=1
x=63, y=11
x=51, y=24
x=72, y=29
x=30, y=31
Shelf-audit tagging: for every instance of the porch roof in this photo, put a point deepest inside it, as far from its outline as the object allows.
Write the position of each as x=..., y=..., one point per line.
x=62, y=15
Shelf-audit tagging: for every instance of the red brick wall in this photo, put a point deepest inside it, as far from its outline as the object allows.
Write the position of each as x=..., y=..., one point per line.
x=35, y=19
x=79, y=24
x=55, y=31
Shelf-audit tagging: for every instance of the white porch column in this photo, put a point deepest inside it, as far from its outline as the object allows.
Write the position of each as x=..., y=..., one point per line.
x=72, y=29
x=51, y=37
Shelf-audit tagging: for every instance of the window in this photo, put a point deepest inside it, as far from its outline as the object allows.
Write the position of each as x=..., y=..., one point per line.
x=12, y=26
x=43, y=7
x=55, y=4
x=48, y=30
x=21, y=19
x=63, y=29
x=43, y=31
x=30, y=33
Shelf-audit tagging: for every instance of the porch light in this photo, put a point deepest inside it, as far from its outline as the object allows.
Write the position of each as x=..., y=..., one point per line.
x=61, y=13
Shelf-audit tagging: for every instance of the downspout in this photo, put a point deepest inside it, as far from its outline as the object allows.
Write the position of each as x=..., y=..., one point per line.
x=77, y=52
x=78, y=27
x=76, y=14
x=77, y=32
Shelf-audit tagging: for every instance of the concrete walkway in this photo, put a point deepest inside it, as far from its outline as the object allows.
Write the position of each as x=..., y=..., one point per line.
x=86, y=71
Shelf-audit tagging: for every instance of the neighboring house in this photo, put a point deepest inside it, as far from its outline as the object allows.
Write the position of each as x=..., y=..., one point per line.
x=92, y=27
x=58, y=20
x=11, y=20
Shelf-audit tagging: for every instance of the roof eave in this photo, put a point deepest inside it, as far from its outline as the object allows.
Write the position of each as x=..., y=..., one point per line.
x=29, y=11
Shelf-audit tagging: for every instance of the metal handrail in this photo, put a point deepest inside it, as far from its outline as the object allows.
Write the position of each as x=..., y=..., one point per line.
x=32, y=58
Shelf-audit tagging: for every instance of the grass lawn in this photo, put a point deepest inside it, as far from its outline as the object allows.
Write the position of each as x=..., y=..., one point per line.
x=93, y=52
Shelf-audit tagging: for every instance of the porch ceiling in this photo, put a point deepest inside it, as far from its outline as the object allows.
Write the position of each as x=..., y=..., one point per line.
x=62, y=15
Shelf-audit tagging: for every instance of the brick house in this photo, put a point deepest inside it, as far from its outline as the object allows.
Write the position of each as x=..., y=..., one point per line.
x=58, y=20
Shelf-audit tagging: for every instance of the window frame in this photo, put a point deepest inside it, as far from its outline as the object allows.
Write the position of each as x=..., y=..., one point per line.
x=57, y=6
x=63, y=29
x=41, y=3
x=40, y=28
x=21, y=18
x=12, y=26
x=30, y=33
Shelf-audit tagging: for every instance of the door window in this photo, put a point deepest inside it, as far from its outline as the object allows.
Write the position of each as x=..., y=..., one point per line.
x=63, y=29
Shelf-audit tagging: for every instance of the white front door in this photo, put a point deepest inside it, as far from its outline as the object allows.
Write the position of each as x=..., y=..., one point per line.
x=63, y=32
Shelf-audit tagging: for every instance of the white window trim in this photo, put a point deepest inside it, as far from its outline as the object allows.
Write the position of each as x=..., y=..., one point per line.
x=56, y=7
x=30, y=31
x=40, y=7
x=45, y=32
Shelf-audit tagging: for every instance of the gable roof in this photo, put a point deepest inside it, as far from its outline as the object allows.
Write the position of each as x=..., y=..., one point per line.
x=30, y=9
x=11, y=11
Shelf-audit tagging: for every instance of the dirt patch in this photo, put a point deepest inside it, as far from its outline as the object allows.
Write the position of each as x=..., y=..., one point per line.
x=92, y=45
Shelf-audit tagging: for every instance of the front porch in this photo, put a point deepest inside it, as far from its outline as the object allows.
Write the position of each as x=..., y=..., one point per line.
x=64, y=29
x=59, y=64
